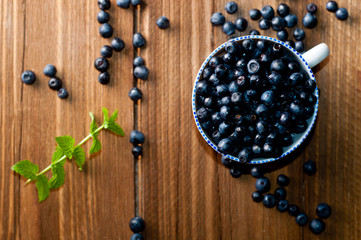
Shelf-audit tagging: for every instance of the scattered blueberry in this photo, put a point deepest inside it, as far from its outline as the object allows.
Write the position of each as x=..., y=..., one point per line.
x=136, y=137
x=137, y=224
x=312, y=8
x=137, y=151
x=309, y=167
x=331, y=6
x=302, y=219
x=104, y=4
x=323, y=210
x=253, y=32
x=123, y=3
x=101, y=64
x=317, y=226
x=282, y=205
x=283, y=10
x=141, y=72
x=309, y=20
x=299, y=47
x=235, y=172
x=280, y=193
x=218, y=19
x=104, y=78
x=63, y=93
x=299, y=34
x=256, y=172
x=55, y=83
x=269, y=201
x=103, y=17
x=117, y=44
x=264, y=24
x=49, y=70
x=283, y=180
x=163, y=22
x=135, y=94
x=106, y=30
x=278, y=23
x=229, y=28
x=138, y=61
x=342, y=14
x=241, y=24
x=138, y=40
x=28, y=77
x=231, y=7
x=257, y=196
x=136, y=2
x=291, y=20
x=255, y=14
x=267, y=12
x=263, y=184
x=137, y=236
x=293, y=210
x=106, y=51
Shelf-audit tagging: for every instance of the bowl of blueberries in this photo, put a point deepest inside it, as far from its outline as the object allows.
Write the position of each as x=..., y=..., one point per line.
x=255, y=98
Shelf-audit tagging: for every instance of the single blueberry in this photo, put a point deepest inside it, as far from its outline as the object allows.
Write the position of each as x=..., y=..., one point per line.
x=227, y=58
x=224, y=128
x=141, y=72
x=274, y=78
x=248, y=45
x=225, y=145
x=293, y=210
x=49, y=70
x=261, y=110
x=218, y=19
x=259, y=139
x=203, y=114
x=101, y=64
x=269, y=201
x=310, y=85
x=201, y=88
x=280, y=193
x=295, y=79
x=117, y=44
x=224, y=112
x=309, y=167
x=331, y=6
x=137, y=236
x=282, y=205
x=138, y=40
x=135, y=94
x=231, y=47
x=267, y=12
x=283, y=180
x=278, y=66
x=255, y=14
x=227, y=162
x=261, y=127
x=137, y=224
x=216, y=136
x=291, y=20
x=299, y=47
x=317, y=226
x=262, y=45
x=244, y=155
x=256, y=172
x=229, y=28
x=278, y=23
x=257, y=196
x=285, y=119
x=241, y=24
x=63, y=93
x=103, y=17
x=290, y=43
x=214, y=80
x=253, y=66
x=299, y=34
x=231, y=7
x=221, y=90
x=323, y=210
x=312, y=8
x=104, y=4
x=302, y=219
x=123, y=3
x=163, y=22
x=342, y=14
x=106, y=30
x=285, y=139
x=253, y=32
x=136, y=2
x=28, y=77
x=106, y=51
x=263, y=184
x=293, y=67
x=269, y=149
x=268, y=97
x=55, y=83
x=208, y=102
x=104, y=78
x=283, y=10
x=236, y=98
x=296, y=108
x=137, y=151
x=264, y=24
x=139, y=61
x=256, y=149
x=282, y=35
x=301, y=126
x=309, y=20
x=235, y=172
x=136, y=137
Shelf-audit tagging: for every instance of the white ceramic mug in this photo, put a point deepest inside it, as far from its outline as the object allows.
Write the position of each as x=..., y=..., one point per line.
x=307, y=61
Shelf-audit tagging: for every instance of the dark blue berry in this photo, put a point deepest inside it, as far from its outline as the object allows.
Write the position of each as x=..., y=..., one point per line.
x=278, y=66
x=221, y=90
x=231, y=7
x=255, y=14
x=302, y=219
x=63, y=93
x=293, y=67
x=285, y=118
x=282, y=35
x=278, y=23
x=220, y=71
x=310, y=85
x=224, y=128
x=137, y=236
x=295, y=79
x=282, y=205
x=290, y=43
x=123, y=3
x=256, y=149
x=104, y=4
x=285, y=139
x=267, y=12
x=268, y=97
x=28, y=77
x=103, y=17
x=317, y=226
x=323, y=210
x=104, y=78
x=137, y=151
x=218, y=19
x=201, y=88
x=55, y=83
x=216, y=136
x=106, y=51
x=141, y=72
x=253, y=66
x=269, y=149
x=106, y=30
x=263, y=184
x=241, y=24
x=49, y=70
x=291, y=20
x=229, y=28
x=117, y=44
x=244, y=155
x=136, y=137
x=269, y=201
x=296, y=108
x=227, y=58
x=331, y=6
x=235, y=172
x=136, y=2
x=236, y=98
x=299, y=34
x=280, y=193
x=135, y=94
x=261, y=110
x=308, y=112
x=163, y=22
x=224, y=112
x=227, y=162
x=203, y=114
x=312, y=8
x=299, y=47
x=274, y=78
x=309, y=20
x=257, y=196
x=259, y=139
x=231, y=48
x=138, y=61
x=261, y=127
x=264, y=24
x=256, y=172
x=208, y=102
x=283, y=180
x=309, y=167
x=283, y=10
x=137, y=224
x=342, y=14
x=253, y=32
x=248, y=45
x=101, y=64
x=293, y=210
x=138, y=40
x=214, y=80
x=225, y=145
x=301, y=126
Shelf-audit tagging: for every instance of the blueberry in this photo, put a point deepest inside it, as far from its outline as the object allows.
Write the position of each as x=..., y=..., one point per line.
x=291, y=20
x=262, y=45
x=301, y=126
x=312, y=8
x=278, y=66
x=137, y=151
x=244, y=155
x=280, y=193
x=268, y=97
x=274, y=78
x=317, y=226
x=221, y=90
x=295, y=79
x=106, y=30
x=261, y=127
x=136, y=2
x=227, y=58
x=255, y=14
x=137, y=236
x=106, y=51
x=296, y=108
x=309, y=20
x=302, y=219
x=163, y=22
x=224, y=112
x=290, y=43
x=225, y=145
x=282, y=205
x=141, y=72
x=123, y=3
x=101, y=64
x=283, y=180
x=63, y=93
x=201, y=88
x=269, y=149
x=256, y=172
x=227, y=162
x=299, y=47
x=310, y=85
x=285, y=139
x=282, y=35
x=104, y=78
x=139, y=61
x=267, y=12
x=269, y=201
x=331, y=6
x=216, y=136
x=309, y=167
x=224, y=128
x=241, y=24
x=261, y=110
x=293, y=210
x=208, y=102
x=278, y=23
x=293, y=67
x=135, y=94
x=236, y=98
x=257, y=196
x=299, y=34
x=55, y=83
x=248, y=45
x=104, y=4
x=259, y=139
x=137, y=224
x=231, y=48
x=138, y=40
x=231, y=7
x=264, y=24
x=253, y=32
x=255, y=81
x=229, y=28
x=117, y=44
x=220, y=71
x=136, y=137
x=49, y=70
x=214, y=80
x=342, y=14
x=285, y=119
x=253, y=66
x=263, y=184
x=308, y=112
x=323, y=210
x=283, y=10
x=103, y=17
x=218, y=19
x=203, y=114
x=235, y=172
x=28, y=77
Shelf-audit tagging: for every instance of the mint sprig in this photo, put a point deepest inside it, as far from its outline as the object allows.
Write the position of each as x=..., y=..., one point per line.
x=66, y=149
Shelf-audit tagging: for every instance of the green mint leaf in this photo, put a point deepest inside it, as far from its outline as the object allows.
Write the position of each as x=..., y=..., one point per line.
x=96, y=146
x=115, y=128
x=58, y=176
x=106, y=115
x=66, y=143
x=27, y=169
x=43, y=187
x=79, y=156
x=57, y=155
x=114, y=116
x=93, y=126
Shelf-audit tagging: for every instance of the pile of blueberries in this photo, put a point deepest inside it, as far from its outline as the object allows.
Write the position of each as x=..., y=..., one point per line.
x=253, y=98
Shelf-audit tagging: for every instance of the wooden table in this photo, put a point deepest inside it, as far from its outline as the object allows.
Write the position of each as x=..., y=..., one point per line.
x=179, y=187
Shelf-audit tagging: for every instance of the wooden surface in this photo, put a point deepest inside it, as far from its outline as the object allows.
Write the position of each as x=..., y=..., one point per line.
x=179, y=187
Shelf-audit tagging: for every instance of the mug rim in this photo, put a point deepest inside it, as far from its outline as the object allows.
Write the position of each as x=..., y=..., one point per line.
x=304, y=134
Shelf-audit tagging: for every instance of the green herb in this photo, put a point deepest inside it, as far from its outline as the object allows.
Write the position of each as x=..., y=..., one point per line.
x=66, y=149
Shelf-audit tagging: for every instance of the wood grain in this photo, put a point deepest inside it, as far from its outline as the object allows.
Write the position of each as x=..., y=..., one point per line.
x=179, y=186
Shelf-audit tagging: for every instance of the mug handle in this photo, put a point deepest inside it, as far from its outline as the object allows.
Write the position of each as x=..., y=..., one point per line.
x=316, y=54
